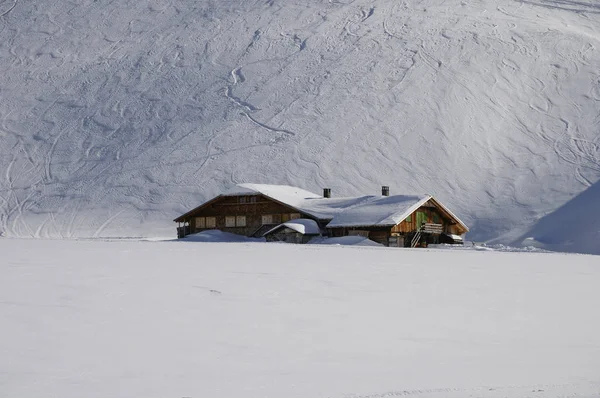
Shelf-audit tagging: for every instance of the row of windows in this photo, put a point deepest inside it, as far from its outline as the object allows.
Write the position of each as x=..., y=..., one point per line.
x=247, y=199
x=240, y=221
x=279, y=218
x=422, y=217
x=206, y=222
x=211, y=222
x=235, y=221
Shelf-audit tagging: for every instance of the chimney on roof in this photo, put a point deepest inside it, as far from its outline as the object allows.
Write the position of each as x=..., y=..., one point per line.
x=385, y=190
x=327, y=192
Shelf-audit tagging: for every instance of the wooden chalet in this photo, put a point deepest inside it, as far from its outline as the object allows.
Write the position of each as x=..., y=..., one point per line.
x=256, y=210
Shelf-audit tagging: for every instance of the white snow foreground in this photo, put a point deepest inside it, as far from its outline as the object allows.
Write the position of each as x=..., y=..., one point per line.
x=172, y=319
x=116, y=117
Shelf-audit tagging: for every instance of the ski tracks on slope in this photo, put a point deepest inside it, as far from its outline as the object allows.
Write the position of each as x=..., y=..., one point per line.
x=246, y=108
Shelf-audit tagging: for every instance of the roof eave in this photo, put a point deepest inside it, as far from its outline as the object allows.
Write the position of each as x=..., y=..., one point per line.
x=451, y=214
x=182, y=217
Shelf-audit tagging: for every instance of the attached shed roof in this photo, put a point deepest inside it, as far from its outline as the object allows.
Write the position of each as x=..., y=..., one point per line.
x=305, y=226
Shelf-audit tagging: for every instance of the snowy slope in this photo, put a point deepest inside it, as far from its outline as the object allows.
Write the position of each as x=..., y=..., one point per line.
x=574, y=227
x=115, y=117
x=177, y=319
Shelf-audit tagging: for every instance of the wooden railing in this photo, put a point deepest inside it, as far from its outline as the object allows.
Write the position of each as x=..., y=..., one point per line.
x=430, y=228
x=427, y=228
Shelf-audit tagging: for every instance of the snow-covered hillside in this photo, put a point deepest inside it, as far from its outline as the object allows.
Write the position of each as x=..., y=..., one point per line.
x=176, y=319
x=574, y=227
x=115, y=117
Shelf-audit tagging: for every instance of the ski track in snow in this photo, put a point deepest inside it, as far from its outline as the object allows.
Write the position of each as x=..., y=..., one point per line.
x=492, y=106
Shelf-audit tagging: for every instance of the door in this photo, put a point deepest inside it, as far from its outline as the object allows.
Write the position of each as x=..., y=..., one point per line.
x=421, y=219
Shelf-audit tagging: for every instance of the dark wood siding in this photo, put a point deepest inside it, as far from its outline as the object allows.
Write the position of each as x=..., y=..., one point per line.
x=252, y=207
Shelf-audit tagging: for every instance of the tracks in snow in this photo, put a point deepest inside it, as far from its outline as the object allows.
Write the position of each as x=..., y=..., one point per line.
x=246, y=107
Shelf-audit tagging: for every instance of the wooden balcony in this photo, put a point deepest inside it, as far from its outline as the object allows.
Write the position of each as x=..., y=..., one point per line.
x=430, y=228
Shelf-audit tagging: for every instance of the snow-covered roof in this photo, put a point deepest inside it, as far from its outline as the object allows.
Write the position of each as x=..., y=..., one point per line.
x=379, y=210
x=344, y=211
x=305, y=226
x=349, y=211
x=282, y=193
x=455, y=237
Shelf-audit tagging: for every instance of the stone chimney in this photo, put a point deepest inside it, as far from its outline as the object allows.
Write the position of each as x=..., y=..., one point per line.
x=327, y=192
x=385, y=190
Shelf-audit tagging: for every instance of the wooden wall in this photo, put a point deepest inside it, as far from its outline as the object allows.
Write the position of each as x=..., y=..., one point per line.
x=432, y=215
x=253, y=207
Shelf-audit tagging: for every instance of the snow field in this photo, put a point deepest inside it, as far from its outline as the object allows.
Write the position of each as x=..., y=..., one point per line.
x=184, y=319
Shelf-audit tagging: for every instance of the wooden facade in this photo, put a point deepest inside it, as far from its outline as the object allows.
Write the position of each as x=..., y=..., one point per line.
x=249, y=215
x=402, y=234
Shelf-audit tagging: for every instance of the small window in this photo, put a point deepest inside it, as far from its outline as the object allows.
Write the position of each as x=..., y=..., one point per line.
x=436, y=218
x=230, y=221
x=409, y=218
x=240, y=221
x=293, y=216
x=252, y=199
x=285, y=217
x=242, y=199
x=200, y=222
x=211, y=222
x=267, y=219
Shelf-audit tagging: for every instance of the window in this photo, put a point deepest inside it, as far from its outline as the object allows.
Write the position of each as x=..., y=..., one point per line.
x=358, y=232
x=211, y=222
x=436, y=218
x=293, y=216
x=200, y=222
x=240, y=221
x=267, y=219
x=235, y=221
x=409, y=218
x=252, y=199
x=242, y=199
x=285, y=217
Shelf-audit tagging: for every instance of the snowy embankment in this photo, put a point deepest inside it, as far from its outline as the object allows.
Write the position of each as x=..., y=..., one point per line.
x=177, y=319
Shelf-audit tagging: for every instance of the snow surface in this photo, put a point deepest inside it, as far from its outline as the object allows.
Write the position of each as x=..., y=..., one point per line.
x=214, y=235
x=173, y=319
x=115, y=117
x=345, y=241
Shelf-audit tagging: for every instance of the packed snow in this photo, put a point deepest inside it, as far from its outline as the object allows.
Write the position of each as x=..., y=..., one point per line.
x=214, y=235
x=174, y=319
x=115, y=117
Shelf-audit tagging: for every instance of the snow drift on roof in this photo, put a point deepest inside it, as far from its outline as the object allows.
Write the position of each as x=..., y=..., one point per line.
x=282, y=193
x=305, y=226
x=343, y=212
x=380, y=210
